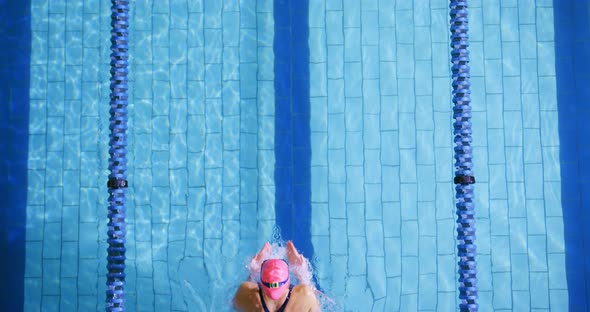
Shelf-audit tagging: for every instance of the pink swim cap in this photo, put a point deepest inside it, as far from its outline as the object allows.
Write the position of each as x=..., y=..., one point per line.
x=274, y=278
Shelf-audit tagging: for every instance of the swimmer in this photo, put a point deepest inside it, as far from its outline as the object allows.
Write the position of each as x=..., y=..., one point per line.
x=274, y=292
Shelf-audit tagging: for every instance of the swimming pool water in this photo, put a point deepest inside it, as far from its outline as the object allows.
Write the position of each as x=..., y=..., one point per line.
x=323, y=121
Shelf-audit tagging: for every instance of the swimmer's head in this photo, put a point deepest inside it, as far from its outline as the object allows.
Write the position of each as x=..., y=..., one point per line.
x=274, y=278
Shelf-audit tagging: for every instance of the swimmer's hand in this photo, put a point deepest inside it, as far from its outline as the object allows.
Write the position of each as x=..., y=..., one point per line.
x=256, y=262
x=299, y=265
x=295, y=258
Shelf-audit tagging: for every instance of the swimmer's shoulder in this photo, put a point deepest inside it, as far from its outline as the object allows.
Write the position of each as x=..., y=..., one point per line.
x=247, y=298
x=303, y=290
x=303, y=298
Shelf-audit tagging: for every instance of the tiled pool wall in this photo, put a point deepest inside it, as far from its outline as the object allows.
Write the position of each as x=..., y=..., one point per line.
x=383, y=161
x=201, y=151
x=201, y=154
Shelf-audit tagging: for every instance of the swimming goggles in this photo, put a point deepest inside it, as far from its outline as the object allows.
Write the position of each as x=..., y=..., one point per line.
x=275, y=284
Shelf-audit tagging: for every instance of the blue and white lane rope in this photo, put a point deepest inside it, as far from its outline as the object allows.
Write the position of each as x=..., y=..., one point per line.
x=117, y=182
x=464, y=178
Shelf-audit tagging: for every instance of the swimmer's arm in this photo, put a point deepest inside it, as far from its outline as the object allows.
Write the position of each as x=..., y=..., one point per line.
x=243, y=300
x=306, y=298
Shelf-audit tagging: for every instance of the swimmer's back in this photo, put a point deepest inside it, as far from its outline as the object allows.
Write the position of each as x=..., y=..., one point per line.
x=302, y=299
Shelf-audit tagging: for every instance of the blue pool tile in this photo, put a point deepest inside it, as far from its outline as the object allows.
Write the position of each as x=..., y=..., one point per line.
x=370, y=30
x=421, y=13
x=492, y=42
x=334, y=33
x=357, y=265
x=493, y=73
x=392, y=301
x=499, y=217
x=509, y=23
x=317, y=11
x=405, y=63
x=551, y=158
x=362, y=296
x=544, y=23
x=354, y=184
x=501, y=256
x=422, y=40
x=484, y=264
x=558, y=299
x=370, y=66
x=338, y=246
x=352, y=10
x=392, y=249
x=162, y=7
x=408, y=171
x=387, y=52
x=371, y=131
x=492, y=12
x=34, y=259
x=446, y=301
x=427, y=213
x=375, y=238
x=68, y=286
x=333, y=5
x=373, y=166
x=514, y=168
x=516, y=201
x=407, y=138
x=336, y=125
x=520, y=272
x=547, y=93
x=355, y=211
x=554, y=234
x=445, y=243
x=439, y=30
x=410, y=271
x=530, y=109
x=338, y=205
x=376, y=276
x=404, y=34
x=338, y=281
x=511, y=67
x=446, y=277
x=502, y=291
x=409, y=302
x=557, y=274
x=427, y=296
x=352, y=50
x=265, y=64
x=51, y=240
x=528, y=38
x=537, y=252
x=388, y=85
x=409, y=231
x=521, y=301
x=389, y=116
x=424, y=152
x=70, y=220
x=317, y=43
x=335, y=62
x=391, y=219
x=321, y=226
x=533, y=180
x=546, y=57
x=441, y=93
x=539, y=293
x=145, y=294
x=427, y=251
